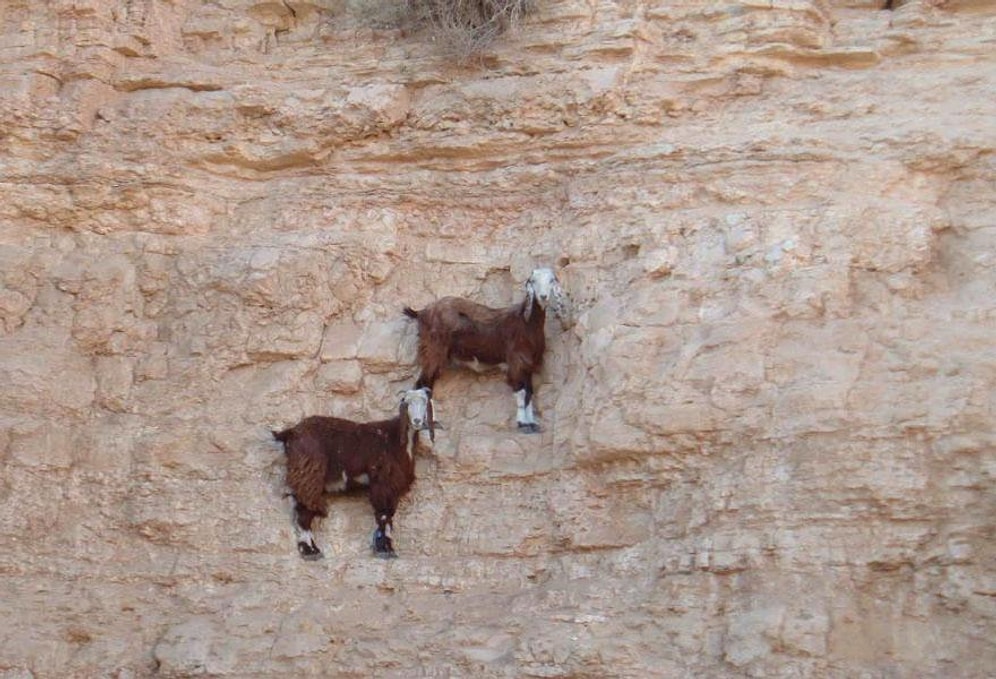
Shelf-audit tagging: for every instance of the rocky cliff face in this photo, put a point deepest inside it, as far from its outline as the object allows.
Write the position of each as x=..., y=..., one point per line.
x=768, y=436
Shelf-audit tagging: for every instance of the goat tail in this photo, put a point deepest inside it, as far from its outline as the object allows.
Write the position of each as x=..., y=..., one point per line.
x=282, y=436
x=410, y=313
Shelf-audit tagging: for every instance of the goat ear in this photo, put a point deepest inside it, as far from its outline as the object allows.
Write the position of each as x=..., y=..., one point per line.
x=562, y=306
x=530, y=298
x=432, y=419
x=403, y=421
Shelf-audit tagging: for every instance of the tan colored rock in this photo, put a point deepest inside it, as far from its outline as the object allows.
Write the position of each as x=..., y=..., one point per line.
x=345, y=377
x=767, y=436
x=341, y=341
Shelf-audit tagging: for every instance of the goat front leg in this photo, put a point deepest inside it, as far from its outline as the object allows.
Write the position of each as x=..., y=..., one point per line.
x=524, y=416
x=305, y=540
x=382, y=544
x=384, y=503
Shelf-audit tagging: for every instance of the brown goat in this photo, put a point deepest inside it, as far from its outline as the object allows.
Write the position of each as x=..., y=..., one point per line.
x=456, y=330
x=329, y=454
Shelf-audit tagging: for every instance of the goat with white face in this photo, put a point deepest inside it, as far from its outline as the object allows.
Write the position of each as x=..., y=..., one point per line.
x=457, y=331
x=329, y=455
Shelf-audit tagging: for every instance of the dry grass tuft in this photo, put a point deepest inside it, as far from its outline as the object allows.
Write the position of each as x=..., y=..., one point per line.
x=467, y=27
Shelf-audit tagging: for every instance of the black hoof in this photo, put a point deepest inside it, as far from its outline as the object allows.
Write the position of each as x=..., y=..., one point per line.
x=309, y=552
x=529, y=427
x=382, y=546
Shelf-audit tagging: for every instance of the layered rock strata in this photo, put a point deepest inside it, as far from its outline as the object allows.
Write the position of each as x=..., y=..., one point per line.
x=768, y=437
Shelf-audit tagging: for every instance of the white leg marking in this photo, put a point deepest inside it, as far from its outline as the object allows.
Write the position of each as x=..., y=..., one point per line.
x=306, y=537
x=524, y=411
x=530, y=417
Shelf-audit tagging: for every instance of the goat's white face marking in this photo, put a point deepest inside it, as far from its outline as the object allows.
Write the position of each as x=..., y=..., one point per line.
x=543, y=284
x=418, y=404
x=417, y=401
x=545, y=289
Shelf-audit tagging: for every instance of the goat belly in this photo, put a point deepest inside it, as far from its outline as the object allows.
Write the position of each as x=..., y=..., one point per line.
x=344, y=482
x=348, y=463
x=479, y=360
x=360, y=481
x=477, y=365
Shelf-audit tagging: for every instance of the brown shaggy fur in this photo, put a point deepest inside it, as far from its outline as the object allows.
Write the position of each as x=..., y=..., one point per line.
x=320, y=450
x=454, y=328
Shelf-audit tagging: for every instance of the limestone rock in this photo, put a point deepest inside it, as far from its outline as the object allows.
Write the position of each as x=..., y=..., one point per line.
x=767, y=428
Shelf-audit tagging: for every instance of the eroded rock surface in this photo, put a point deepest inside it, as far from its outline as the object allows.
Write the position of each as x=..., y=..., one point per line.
x=768, y=437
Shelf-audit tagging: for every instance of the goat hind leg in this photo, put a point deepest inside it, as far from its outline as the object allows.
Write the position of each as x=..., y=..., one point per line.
x=433, y=356
x=427, y=378
x=305, y=540
x=382, y=544
x=385, y=503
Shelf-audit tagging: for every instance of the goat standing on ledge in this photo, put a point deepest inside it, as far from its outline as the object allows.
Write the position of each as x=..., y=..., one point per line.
x=329, y=454
x=456, y=330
